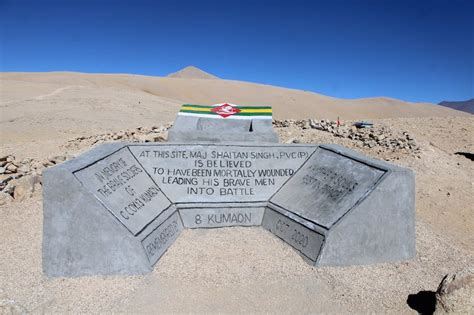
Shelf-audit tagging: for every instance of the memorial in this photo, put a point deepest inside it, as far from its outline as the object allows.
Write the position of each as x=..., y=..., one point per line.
x=223, y=123
x=117, y=208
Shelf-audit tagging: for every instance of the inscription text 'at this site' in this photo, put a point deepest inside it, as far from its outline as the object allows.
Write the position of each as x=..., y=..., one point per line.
x=222, y=173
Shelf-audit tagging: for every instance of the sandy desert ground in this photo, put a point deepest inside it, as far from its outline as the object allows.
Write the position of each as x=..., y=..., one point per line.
x=231, y=269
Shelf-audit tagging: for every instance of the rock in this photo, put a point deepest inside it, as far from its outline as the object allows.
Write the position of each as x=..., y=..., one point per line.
x=456, y=293
x=46, y=163
x=57, y=159
x=159, y=138
x=11, y=167
x=10, y=158
x=2, y=170
x=37, y=165
x=150, y=138
x=317, y=126
x=23, y=168
x=25, y=187
x=306, y=124
x=3, y=158
x=5, y=198
x=9, y=189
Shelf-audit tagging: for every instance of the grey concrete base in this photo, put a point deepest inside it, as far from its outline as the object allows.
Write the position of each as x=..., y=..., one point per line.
x=117, y=208
x=306, y=241
x=163, y=236
x=177, y=136
x=364, y=208
x=197, y=129
x=80, y=237
x=82, y=234
x=380, y=229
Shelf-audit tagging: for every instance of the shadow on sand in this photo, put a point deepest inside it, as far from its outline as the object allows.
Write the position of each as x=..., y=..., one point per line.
x=424, y=302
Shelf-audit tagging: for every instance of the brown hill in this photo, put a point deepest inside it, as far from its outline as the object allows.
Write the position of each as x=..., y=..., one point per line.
x=191, y=72
x=60, y=105
x=287, y=103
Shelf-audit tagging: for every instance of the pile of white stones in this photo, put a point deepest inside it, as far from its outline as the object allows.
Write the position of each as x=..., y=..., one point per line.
x=19, y=179
x=377, y=136
x=139, y=134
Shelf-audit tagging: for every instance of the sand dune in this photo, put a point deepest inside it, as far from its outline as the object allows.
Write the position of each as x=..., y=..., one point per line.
x=48, y=107
x=287, y=103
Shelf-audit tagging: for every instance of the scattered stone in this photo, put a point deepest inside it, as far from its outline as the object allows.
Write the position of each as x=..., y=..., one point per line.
x=375, y=137
x=151, y=138
x=47, y=163
x=12, y=167
x=57, y=159
x=12, y=170
x=9, y=188
x=306, y=124
x=455, y=293
x=25, y=187
x=25, y=168
x=139, y=134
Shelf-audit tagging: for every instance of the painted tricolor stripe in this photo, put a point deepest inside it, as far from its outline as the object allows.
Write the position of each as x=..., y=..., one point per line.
x=244, y=112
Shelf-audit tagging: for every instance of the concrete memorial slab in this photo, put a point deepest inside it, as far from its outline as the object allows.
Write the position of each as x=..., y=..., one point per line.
x=92, y=224
x=361, y=210
x=117, y=208
x=125, y=189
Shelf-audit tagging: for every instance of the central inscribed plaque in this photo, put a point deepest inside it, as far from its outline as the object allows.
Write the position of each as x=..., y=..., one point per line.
x=220, y=173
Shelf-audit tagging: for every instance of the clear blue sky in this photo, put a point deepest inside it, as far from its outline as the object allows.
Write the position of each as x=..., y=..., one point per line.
x=411, y=50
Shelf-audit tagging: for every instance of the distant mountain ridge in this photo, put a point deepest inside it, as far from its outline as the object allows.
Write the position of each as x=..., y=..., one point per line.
x=192, y=72
x=168, y=93
x=465, y=106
